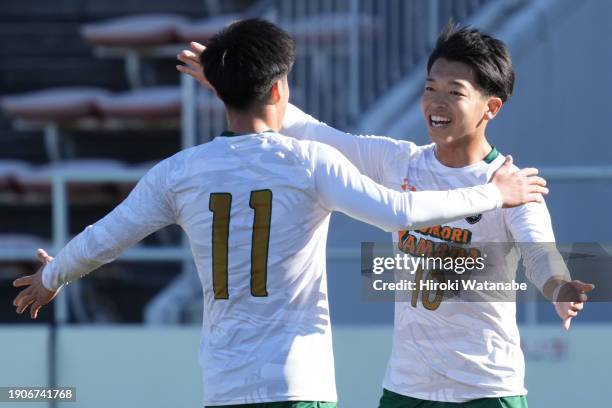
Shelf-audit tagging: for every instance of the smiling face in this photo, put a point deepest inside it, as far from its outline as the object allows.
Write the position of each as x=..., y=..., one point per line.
x=454, y=106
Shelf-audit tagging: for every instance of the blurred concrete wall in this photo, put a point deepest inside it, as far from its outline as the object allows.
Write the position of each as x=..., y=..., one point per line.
x=135, y=366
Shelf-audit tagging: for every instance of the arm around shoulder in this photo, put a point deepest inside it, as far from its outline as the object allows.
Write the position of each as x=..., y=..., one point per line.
x=341, y=187
x=370, y=154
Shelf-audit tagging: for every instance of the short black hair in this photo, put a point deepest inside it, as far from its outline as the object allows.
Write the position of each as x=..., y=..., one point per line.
x=243, y=61
x=487, y=56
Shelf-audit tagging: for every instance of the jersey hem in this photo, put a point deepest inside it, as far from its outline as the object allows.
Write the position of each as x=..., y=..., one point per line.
x=424, y=397
x=280, y=398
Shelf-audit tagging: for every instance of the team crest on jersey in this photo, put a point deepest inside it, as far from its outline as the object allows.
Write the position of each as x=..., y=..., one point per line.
x=406, y=186
x=474, y=219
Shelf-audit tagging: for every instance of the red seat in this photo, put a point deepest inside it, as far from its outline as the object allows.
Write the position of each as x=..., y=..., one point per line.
x=158, y=102
x=202, y=30
x=9, y=169
x=134, y=31
x=53, y=104
x=39, y=178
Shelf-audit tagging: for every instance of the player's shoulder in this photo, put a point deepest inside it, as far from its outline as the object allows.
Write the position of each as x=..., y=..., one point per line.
x=179, y=159
x=309, y=150
x=399, y=147
x=287, y=142
x=413, y=155
x=321, y=153
x=298, y=149
x=416, y=151
x=173, y=168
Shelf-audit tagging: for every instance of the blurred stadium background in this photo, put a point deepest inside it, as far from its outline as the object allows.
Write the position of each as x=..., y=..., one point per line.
x=91, y=99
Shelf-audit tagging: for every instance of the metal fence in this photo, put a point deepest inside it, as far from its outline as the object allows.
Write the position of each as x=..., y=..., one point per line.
x=349, y=52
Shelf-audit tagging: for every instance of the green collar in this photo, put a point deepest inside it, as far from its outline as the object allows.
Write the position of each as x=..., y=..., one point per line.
x=229, y=133
x=491, y=156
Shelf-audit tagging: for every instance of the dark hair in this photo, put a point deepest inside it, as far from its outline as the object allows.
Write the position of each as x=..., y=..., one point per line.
x=487, y=56
x=243, y=61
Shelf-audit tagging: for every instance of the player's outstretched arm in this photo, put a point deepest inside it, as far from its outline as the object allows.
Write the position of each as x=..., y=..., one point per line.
x=343, y=188
x=144, y=211
x=531, y=228
x=370, y=154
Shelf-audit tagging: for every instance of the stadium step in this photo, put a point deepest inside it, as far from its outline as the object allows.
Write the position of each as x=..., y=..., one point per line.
x=154, y=30
x=54, y=104
x=134, y=31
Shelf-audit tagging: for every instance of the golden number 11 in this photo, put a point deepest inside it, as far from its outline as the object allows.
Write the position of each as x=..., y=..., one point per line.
x=220, y=204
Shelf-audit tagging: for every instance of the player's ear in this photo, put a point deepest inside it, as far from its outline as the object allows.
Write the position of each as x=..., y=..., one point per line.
x=276, y=93
x=494, y=104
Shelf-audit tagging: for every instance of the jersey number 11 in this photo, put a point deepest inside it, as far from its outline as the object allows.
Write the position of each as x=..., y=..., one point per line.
x=220, y=204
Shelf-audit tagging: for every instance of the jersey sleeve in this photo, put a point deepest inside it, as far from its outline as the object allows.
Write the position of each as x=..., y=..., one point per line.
x=370, y=154
x=531, y=228
x=342, y=188
x=146, y=209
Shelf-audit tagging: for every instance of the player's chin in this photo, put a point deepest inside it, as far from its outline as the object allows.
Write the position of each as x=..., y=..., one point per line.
x=440, y=136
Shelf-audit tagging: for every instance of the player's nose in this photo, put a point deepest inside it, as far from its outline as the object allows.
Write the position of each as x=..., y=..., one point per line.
x=438, y=103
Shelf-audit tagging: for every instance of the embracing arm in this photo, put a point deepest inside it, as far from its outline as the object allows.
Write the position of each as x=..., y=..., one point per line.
x=370, y=154
x=145, y=210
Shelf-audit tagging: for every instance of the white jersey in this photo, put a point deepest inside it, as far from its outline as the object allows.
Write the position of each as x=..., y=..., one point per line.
x=461, y=350
x=256, y=210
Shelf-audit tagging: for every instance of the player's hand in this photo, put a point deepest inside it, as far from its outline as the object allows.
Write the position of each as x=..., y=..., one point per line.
x=35, y=294
x=570, y=300
x=193, y=67
x=519, y=187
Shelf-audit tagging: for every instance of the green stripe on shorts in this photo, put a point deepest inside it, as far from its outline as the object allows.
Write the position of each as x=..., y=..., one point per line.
x=391, y=399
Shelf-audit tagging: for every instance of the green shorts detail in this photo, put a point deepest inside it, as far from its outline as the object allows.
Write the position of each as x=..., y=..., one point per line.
x=391, y=399
x=285, y=404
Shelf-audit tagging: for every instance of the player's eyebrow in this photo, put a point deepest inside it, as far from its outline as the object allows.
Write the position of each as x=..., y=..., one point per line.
x=453, y=82
x=457, y=83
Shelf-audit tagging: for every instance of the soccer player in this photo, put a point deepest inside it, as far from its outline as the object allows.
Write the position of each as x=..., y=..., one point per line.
x=256, y=206
x=450, y=353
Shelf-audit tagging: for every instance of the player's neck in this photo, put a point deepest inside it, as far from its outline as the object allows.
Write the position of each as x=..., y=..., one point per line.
x=253, y=122
x=463, y=152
